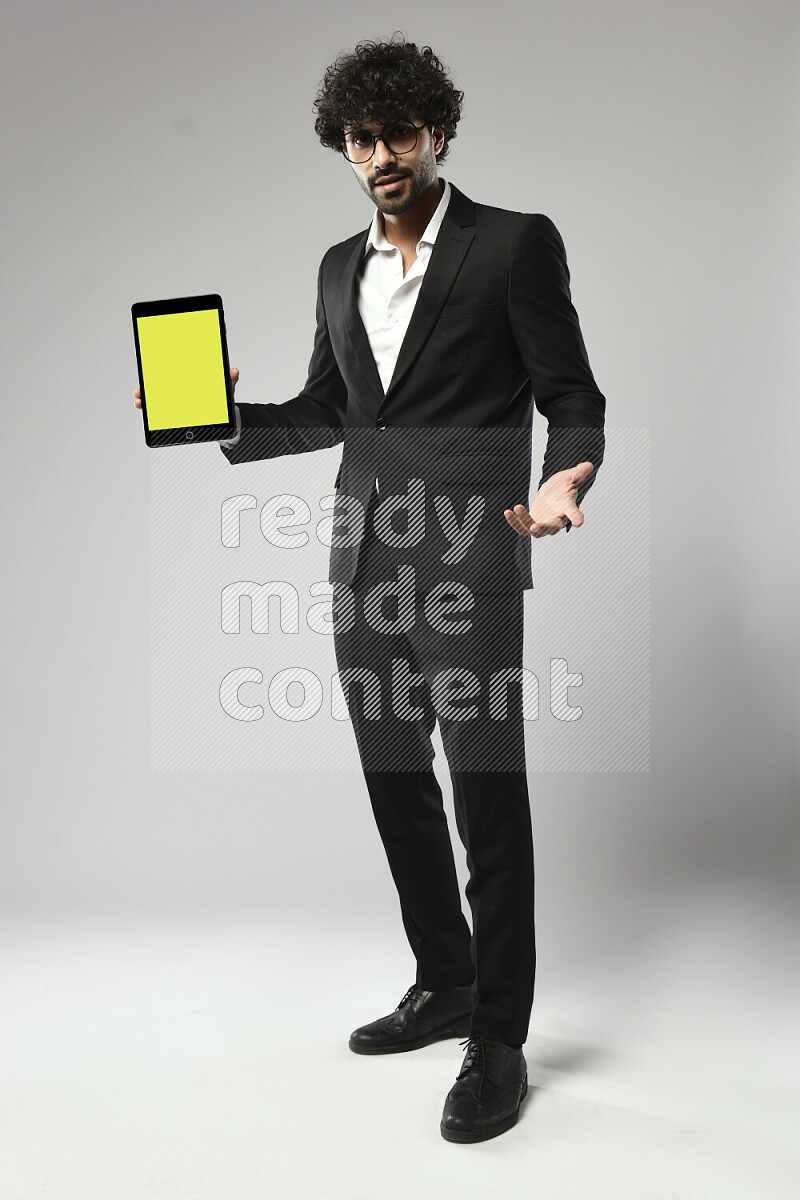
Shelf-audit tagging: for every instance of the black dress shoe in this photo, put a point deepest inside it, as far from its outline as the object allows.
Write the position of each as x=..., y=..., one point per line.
x=485, y=1098
x=420, y=1018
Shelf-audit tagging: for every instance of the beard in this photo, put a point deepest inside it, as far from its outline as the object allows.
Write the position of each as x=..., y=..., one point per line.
x=419, y=182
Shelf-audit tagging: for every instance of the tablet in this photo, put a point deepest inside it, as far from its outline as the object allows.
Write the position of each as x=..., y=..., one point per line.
x=184, y=376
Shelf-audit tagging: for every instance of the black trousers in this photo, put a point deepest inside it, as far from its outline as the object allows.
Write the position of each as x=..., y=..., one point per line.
x=399, y=677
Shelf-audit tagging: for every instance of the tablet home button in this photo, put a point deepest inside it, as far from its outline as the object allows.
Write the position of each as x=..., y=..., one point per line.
x=189, y=434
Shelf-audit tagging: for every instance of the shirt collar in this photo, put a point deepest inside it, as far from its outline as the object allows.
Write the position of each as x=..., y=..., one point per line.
x=376, y=238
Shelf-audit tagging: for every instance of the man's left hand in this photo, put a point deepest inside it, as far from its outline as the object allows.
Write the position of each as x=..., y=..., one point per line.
x=554, y=504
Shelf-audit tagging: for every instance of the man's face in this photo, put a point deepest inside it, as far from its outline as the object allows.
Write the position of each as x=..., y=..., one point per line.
x=413, y=172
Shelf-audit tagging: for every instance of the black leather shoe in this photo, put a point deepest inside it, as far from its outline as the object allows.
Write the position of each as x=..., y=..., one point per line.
x=487, y=1093
x=420, y=1018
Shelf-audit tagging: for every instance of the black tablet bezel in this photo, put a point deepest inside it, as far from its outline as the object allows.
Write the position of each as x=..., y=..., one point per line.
x=196, y=433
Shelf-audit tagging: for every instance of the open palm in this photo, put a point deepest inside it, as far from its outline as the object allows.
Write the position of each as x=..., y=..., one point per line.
x=554, y=504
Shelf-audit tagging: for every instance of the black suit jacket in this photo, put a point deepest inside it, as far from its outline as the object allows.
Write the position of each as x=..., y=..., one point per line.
x=493, y=331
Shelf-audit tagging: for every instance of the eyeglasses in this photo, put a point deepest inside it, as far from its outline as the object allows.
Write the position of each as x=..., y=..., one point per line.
x=359, y=145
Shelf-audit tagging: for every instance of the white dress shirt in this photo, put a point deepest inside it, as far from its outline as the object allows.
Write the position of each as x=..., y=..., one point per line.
x=386, y=297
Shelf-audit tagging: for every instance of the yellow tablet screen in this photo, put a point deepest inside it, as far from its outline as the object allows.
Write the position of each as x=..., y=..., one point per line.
x=183, y=370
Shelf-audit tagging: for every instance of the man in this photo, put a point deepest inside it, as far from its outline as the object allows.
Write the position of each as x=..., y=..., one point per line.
x=437, y=329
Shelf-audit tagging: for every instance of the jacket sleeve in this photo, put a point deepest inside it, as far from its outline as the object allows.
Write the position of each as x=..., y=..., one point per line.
x=548, y=336
x=312, y=420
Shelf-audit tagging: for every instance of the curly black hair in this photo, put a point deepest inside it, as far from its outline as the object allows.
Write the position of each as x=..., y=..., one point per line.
x=386, y=81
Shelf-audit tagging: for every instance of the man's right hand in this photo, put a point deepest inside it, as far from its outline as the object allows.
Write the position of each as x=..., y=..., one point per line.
x=137, y=396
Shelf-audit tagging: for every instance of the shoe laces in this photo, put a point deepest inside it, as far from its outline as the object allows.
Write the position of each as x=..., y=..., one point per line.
x=478, y=1050
x=414, y=989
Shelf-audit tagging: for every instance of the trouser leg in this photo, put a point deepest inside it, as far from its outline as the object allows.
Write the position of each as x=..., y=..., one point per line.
x=483, y=737
x=493, y=819
x=396, y=756
x=413, y=828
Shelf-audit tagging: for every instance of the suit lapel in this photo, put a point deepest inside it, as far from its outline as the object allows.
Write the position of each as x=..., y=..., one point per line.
x=352, y=317
x=452, y=242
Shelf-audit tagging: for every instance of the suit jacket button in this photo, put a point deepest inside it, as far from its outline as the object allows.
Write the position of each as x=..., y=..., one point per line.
x=380, y=424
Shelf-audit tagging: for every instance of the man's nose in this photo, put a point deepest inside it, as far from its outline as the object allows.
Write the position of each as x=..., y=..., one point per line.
x=383, y=155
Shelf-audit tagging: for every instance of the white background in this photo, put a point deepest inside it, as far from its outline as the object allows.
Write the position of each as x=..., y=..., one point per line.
x=186, y=953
